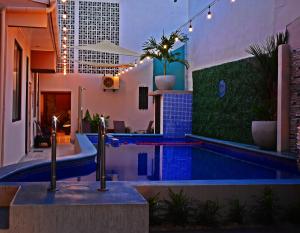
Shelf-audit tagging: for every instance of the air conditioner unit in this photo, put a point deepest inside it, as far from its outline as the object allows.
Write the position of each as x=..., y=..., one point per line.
x=111, y=83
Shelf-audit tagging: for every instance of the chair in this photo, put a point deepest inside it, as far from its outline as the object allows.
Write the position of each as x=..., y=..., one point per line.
x=42, y=136
x=119, y=127
x=149, y=129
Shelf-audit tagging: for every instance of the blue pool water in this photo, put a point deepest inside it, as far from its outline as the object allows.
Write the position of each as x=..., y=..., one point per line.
x=136, y=158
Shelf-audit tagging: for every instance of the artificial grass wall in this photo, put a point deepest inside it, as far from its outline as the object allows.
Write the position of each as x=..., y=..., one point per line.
x=229, y=117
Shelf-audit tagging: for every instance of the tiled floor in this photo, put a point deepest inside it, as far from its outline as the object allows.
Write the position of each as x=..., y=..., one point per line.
x=45, y=153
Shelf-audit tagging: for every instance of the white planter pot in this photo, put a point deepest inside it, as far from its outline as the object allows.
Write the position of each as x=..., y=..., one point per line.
x=264, y=134
x=165, y=82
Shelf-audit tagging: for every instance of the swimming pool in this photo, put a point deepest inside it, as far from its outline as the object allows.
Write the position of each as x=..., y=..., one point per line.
x=156, y=158
x=138, y=158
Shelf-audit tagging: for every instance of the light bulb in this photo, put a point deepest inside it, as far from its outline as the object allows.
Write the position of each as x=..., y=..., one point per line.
x=232, y=0
x=64, y=46
x=209, y=14
x=141, y=61
x=64, y=57
x=148, y=58
x=165, y=46
x=176, y=39
x=63, y=1
x=64, y=28
x=122, y=72
x=65, y=52
x=130, y=68
x=190, y=27
x=65, y=38
x=64, y=15
x=135, y=64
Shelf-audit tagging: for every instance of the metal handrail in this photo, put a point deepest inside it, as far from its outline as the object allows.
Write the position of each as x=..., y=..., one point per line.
x=53, y=155
x=101, y=154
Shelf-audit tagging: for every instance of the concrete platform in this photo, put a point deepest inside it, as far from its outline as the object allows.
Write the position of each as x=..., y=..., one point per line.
x=77, y=208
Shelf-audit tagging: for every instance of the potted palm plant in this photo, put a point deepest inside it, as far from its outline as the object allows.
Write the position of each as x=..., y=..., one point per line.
x=266, y=63
x=162, y=51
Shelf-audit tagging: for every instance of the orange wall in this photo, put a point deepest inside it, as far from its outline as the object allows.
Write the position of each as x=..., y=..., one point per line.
x=14, y=132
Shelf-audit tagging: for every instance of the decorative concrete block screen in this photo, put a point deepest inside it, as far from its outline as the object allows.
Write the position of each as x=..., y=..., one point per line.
x=98, y=21
x=177, y=114
x=225, y=100
x=93, y=22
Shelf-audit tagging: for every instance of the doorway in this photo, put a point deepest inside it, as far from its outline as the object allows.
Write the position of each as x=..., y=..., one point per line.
x=57, y=104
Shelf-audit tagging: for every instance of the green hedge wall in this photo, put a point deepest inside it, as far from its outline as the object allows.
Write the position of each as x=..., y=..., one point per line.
x=229, y=117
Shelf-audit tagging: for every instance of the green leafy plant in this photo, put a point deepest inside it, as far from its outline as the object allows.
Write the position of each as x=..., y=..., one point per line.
x=87, y=116
x=94, y=121
x=154, y=209
x=162, y=50
x=267, y=64
x=266, y=208
x=177, y=208
x=292, y=214
x=208, y=213
x=236, y=211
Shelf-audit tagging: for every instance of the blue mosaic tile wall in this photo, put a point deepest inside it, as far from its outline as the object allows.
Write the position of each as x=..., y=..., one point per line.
x=177, y=115
x=177, y=163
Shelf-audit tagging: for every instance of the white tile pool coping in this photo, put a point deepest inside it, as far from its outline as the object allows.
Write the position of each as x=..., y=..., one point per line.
x=242, y=146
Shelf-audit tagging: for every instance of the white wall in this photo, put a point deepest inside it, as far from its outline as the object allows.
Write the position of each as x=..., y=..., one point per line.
x=119, y=105
x=233, y=28
x=139, y=19
x=14, y=132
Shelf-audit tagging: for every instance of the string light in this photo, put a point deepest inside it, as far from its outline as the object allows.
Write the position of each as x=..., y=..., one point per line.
x=176, y=39
x=201, y=12
x=233, y=1
x=135, y=64
x=209, y=14
x=64, y=38
x=165, y=46
x=190, y=27
x=141, y=61
x=64, y=15
x=148, y=58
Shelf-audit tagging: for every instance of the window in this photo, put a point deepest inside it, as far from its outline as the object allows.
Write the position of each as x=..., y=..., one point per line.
x=143, y=98
x=17, y=81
